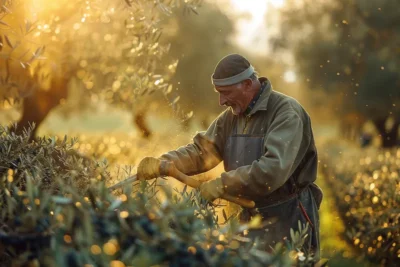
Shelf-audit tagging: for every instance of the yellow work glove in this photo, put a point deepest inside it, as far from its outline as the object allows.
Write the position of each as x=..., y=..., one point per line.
x=148, y=168
x=212, y=189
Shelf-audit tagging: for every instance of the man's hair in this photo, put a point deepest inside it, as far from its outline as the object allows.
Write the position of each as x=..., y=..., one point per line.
x=230, y=65
x=254, y=76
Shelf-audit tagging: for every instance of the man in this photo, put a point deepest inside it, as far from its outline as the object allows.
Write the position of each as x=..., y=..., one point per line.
x=266, y=142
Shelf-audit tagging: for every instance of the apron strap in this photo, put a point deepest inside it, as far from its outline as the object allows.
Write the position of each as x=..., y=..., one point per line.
x=303, y=210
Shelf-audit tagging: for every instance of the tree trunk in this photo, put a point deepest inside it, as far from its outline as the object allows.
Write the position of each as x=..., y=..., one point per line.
x=141, y=124
x=31, y=114
x=389, y=136
x=38, y=105
x=351, y=126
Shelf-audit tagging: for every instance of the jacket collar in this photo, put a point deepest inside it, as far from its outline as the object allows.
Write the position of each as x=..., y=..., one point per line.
x=262, y=102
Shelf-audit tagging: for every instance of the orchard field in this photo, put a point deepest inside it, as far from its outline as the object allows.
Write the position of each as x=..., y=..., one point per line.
x=366, y=190
x=89, y=88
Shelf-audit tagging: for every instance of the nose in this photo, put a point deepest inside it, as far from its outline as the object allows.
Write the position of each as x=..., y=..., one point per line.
x=222, y=100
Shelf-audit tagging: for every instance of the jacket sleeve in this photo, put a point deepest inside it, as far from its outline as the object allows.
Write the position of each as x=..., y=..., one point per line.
x=206, y=150
x=284, y=150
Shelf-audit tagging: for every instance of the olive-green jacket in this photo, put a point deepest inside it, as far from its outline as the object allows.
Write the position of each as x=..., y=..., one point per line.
x=288, y=144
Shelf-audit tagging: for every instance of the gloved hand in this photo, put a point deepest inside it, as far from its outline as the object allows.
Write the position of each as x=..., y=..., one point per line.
x=212, y=189
x=148, y=168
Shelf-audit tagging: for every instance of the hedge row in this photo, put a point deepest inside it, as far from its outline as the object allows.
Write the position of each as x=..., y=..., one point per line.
x=57, y=211
x=366, y=187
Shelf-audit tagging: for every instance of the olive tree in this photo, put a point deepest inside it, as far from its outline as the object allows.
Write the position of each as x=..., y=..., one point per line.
x=102, y=50
x=348, y=49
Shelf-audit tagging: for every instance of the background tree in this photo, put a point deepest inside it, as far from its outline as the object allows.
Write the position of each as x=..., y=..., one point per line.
x=198, y=42
x=104, y=50
x=349, y=49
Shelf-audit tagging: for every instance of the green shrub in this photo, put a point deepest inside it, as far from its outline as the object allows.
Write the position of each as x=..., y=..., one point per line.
x=46, y=159
x=366, y=187
x=57, y=211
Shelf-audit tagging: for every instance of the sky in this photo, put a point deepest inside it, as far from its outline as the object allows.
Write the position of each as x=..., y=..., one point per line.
x=249, y=27
x=253, y=29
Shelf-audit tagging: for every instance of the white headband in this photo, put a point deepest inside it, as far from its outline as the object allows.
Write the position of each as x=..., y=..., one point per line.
x=234, y=79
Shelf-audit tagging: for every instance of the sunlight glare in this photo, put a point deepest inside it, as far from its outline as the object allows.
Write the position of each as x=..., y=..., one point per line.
x=289, y=76
x=249, y=27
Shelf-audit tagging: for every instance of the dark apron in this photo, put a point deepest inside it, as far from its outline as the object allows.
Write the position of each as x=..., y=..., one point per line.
x=282, y=214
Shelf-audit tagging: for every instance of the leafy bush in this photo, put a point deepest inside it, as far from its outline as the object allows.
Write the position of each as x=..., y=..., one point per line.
x=46, y=159
x=47, y=220
x=366, y=186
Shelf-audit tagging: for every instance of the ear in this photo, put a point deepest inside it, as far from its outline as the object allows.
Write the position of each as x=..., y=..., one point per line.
x=248, y=84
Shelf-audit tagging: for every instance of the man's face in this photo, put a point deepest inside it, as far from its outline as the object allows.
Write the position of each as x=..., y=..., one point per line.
x=236, y=96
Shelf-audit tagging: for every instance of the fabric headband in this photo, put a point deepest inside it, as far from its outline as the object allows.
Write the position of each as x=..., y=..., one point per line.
x=234, y=79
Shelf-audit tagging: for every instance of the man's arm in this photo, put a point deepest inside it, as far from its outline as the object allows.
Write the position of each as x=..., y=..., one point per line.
x=285, y=146
x=205, y=152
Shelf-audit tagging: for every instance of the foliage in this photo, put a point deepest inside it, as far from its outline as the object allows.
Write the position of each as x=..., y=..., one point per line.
x=70, y=227
x=45, y=160
x=198, y=42
x=348, y=49
x=366, y=187
x=96, y=51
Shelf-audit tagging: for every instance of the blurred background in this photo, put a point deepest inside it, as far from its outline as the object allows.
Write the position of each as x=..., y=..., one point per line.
x=132, y=79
